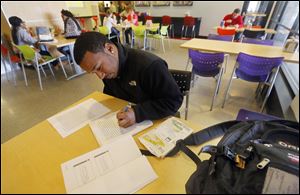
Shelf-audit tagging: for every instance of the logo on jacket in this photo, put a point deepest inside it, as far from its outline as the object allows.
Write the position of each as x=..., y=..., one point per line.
x=132, y=83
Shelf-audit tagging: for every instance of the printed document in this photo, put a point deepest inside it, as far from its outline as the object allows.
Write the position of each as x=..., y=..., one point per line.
x=117, y=168
x=107, y=129
x=161, y=140
x=71, y=120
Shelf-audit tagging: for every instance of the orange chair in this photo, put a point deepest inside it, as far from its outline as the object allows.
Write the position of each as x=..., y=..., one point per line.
x=82, y=21
x=223, y=31
x=256, y=27
x=188, y=21
x=13, y=60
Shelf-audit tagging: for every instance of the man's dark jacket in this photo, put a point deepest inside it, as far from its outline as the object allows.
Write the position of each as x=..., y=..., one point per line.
x=144, y=79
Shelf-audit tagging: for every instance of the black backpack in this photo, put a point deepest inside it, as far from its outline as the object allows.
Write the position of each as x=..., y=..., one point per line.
x=252, y=157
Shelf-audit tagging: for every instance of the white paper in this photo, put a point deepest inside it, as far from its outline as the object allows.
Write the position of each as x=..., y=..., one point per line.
x=71, y=120
x=162, y=139
x=107, y=129
x=118, y=167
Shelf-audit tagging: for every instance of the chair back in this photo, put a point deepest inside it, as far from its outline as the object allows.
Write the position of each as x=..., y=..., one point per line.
x=183, y=79
x=254, y=34
x=224, y=31
x=103, y=30
x=4, y=51
x=255, y=66
x=257, y=27
x=138, y=30
x=140, y=23
x=148, y=18
x=166, y=20
x=258, y=41
x=164, y=30
x=220, y=37
x=27, y=51
x=206, y=64
x=188, y=21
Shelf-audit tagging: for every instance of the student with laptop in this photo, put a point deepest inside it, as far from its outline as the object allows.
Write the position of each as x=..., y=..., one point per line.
x=22, y=36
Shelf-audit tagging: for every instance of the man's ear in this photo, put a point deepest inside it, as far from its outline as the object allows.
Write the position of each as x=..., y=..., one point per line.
x=109, y=48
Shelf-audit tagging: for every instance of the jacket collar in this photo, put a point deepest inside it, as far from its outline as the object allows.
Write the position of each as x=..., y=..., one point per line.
x=123, y=54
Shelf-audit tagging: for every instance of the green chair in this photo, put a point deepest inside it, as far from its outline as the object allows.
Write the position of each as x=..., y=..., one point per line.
x=32, y=57
x=163, y=33
x=138, y=32
x=104, y=30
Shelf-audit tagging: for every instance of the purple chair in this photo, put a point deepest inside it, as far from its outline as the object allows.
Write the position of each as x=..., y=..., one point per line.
x=208, y=65
x=258, y=41
x=255, y=69
x=245, y=115
x=228, y=38
x=221, y=37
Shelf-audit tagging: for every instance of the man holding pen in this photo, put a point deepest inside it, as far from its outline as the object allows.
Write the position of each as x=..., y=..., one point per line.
x=132, y=75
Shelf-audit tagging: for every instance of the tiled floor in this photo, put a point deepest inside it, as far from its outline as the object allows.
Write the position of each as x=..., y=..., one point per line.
x=22, y=107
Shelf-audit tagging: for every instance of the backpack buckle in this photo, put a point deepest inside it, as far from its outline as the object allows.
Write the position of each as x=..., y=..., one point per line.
x=240, y=161
x=208, y=149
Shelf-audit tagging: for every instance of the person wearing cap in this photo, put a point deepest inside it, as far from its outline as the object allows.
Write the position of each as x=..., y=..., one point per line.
x=234, y=19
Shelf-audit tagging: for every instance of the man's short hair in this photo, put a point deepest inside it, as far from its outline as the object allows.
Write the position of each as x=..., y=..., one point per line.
x=237, y=11
x=89, y=41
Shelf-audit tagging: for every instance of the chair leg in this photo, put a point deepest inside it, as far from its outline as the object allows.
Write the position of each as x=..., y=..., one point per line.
x=193, y=79
x=43, y=71
x=51, y=70
x=269, y=90
x=182, y=31
x=187, y=105
x=185, y=31
x=217, y=89
x=227, y=58
x=39, y=76
x=5, y=68
x=193, y=31
x=24, y=74
x=188, y=62
x=162, y=44
x=227, y=90
x=62, y=67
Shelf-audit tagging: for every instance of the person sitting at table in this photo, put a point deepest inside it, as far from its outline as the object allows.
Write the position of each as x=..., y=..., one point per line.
x=109, y=21
x=72, y=28
x=234, y=19
x=22, y=36
x=133, y=75
x=132, y=18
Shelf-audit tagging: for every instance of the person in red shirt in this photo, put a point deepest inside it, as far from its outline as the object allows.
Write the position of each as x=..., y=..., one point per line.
x=234, y=19
x=133, y=19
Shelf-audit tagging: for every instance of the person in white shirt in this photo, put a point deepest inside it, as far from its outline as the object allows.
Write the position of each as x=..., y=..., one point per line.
x=110, y=21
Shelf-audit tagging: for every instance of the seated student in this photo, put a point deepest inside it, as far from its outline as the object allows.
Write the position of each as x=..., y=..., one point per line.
x=109, y=21
x=72, y=28
x=236, y=20
x=22, y=36
x=130, y=74
x=131, y=18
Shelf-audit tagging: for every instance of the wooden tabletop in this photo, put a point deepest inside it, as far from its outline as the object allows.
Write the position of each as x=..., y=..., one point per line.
x=267, y=30
x=237, y=47
x=31, y=162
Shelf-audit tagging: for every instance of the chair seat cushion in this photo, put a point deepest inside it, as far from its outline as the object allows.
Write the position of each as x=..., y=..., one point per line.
x=252, y=78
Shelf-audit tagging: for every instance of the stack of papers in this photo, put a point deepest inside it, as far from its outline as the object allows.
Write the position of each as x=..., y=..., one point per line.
x=161, y=140
x=71, y=120
x=118, y=168
x=107, y=129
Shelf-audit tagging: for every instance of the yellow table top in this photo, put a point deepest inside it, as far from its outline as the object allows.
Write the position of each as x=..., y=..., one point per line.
x=267, y=30
x=30, y=162
x=237, y=47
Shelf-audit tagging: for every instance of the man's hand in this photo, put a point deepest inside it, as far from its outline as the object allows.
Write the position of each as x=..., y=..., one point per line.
x=126, y=119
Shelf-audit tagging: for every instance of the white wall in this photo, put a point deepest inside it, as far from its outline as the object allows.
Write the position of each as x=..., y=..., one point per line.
x=211, y=12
